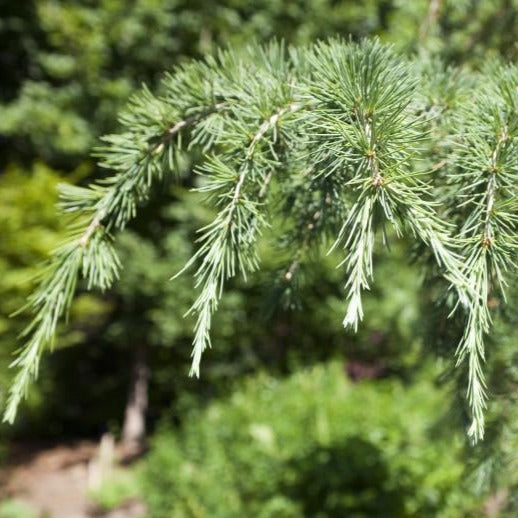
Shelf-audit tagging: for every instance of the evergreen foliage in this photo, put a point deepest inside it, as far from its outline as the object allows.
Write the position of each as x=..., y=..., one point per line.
x=483, y=178
x=336, y=139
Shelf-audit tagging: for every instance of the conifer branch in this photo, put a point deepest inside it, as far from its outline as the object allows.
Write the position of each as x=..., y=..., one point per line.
x=488, y=175
x=89, y=252
x=337, y=130
x=227, y=241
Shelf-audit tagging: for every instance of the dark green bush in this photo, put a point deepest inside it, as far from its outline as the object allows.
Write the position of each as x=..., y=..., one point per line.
x=313, y=445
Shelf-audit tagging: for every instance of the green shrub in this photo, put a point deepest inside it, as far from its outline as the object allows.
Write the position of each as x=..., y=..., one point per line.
x=121, y=487
x=314, y=444
x=15, y=509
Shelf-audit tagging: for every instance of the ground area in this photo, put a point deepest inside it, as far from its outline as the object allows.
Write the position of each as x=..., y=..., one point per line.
x=55, y=481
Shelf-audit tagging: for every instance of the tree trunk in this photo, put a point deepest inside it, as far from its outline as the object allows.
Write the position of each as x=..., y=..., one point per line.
x=134, y=427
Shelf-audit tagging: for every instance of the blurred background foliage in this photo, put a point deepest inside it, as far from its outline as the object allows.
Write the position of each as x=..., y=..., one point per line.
x=380, y=460
x=360, y=434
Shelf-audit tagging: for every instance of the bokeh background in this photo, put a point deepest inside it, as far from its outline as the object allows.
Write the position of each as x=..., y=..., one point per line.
x=293, y=416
